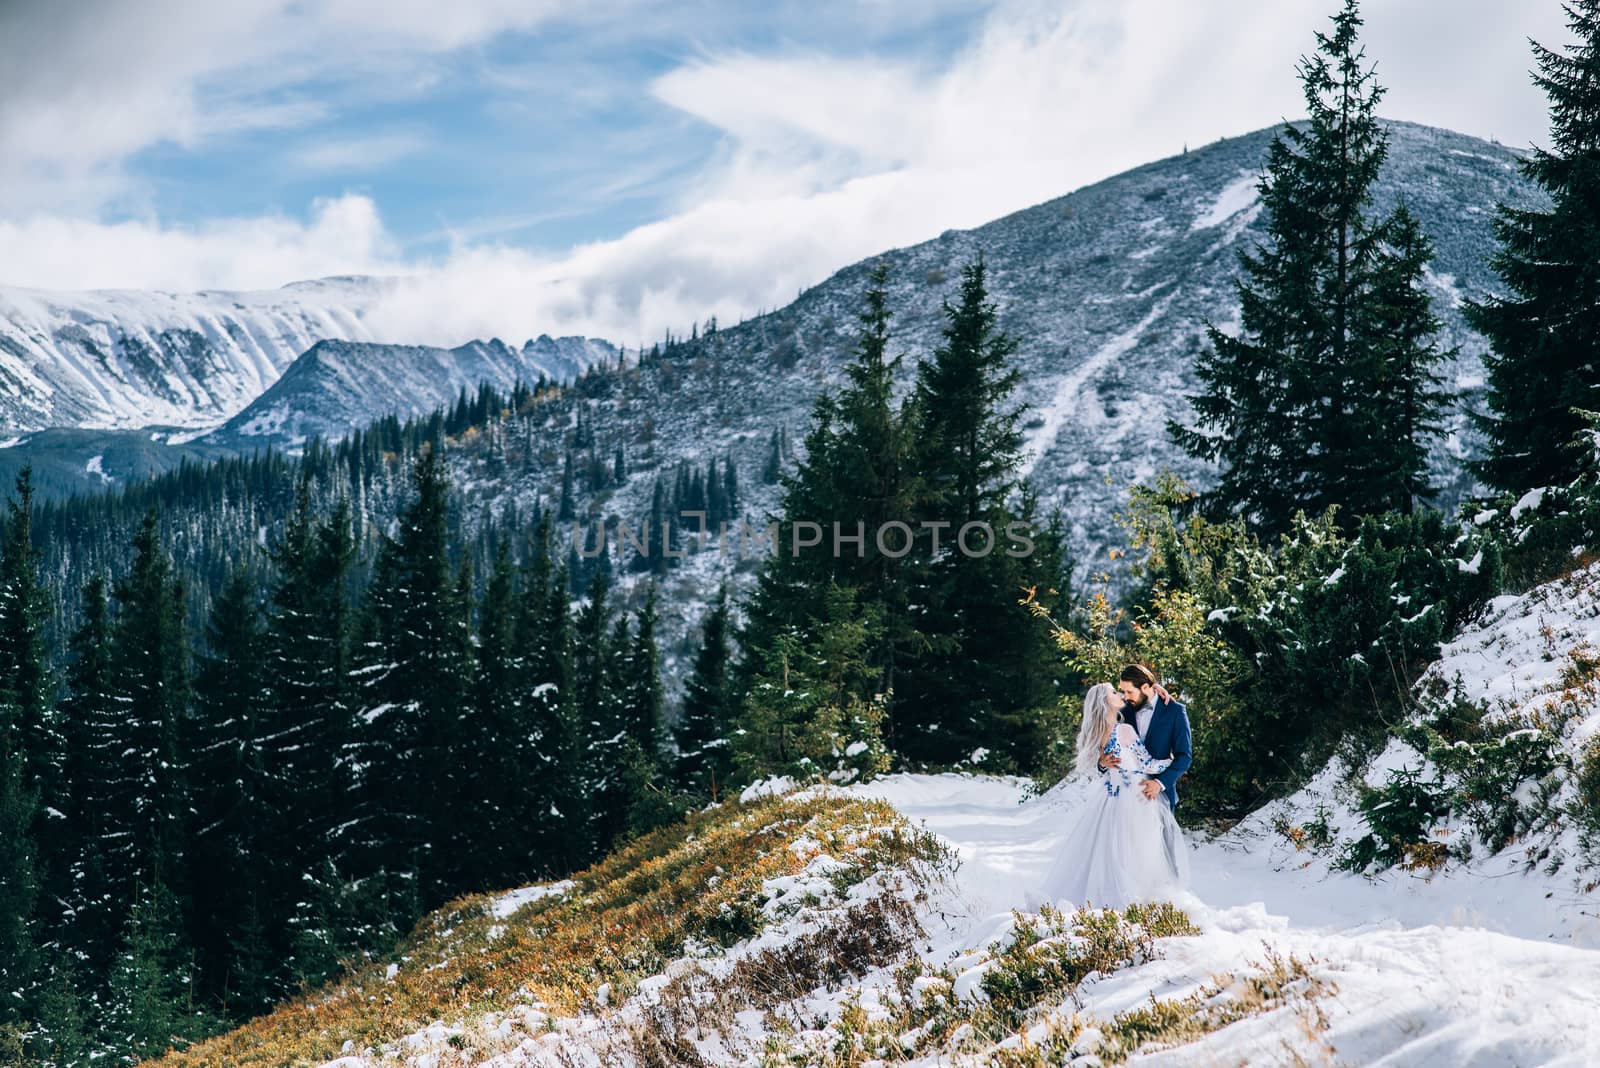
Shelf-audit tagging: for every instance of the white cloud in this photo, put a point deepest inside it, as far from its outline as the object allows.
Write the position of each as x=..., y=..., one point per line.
x=90, y=83
x=824, y=160
x=362, y=153
x=344, y=235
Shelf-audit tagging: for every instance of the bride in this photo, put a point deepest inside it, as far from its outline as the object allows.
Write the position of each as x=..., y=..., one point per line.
x=1123, y=847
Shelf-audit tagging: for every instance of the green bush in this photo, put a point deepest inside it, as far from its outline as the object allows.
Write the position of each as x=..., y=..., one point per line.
x=1308, y=644
x=1586, y=805
x=1547, y=532
x=1400, y=817
x=1504, y=786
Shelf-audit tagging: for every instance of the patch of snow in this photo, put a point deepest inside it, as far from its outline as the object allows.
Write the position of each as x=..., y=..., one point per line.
x=1237, y=196
x=1528, y=502
x=777, y=784
x=512, y=900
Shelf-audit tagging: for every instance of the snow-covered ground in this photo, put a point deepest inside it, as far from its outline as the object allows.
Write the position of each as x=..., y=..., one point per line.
x=1488, y=962
x=1472, y=968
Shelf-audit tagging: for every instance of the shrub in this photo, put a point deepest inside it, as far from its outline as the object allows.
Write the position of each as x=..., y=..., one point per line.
x=1318, y=636
x=1586, y=805
x=1504, y=786
x=1400, y=817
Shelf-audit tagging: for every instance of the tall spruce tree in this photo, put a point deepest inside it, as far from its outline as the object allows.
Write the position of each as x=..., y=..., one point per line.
x=856, y=483
x=93, y=915
x=32, y=744
x=20, y=934
x=1403, y=413
x=558, y=805
x=227, y=858
x=642, y=696
x=1296, y=407
x=148, y=811
x=702, y=732
x=414, y=679
x=497, y=745
x=151, y=1006
x=1544, y=330
x=976, y=670
x=600, y=642
x=28, y=715
x=309, y=810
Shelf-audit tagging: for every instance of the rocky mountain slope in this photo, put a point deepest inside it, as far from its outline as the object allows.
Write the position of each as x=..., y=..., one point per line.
x=338, y=386
x=1106, y=289
x=131, y=358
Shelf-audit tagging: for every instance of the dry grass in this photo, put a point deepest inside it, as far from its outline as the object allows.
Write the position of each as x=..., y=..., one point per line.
x=682, y=890
x=1276, y=984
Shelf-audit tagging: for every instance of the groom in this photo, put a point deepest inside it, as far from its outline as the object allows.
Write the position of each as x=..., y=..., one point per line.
x=1162, y=724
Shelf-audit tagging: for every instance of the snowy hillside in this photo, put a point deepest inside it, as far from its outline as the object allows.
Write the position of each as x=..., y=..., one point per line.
x=1106, y=291
x=337, y=386
x=129, y=358
x=815, y=929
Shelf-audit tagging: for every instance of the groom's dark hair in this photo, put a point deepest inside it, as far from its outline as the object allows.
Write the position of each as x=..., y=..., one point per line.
x=1138, y=674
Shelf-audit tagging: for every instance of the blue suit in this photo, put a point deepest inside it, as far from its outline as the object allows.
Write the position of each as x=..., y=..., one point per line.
x=1167, y=736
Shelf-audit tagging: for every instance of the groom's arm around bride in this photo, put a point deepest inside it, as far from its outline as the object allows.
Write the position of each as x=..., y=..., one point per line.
x=1163, y=726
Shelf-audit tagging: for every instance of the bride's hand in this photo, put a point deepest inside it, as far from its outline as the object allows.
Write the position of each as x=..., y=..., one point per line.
x=1151, y=788
x=1161, y=691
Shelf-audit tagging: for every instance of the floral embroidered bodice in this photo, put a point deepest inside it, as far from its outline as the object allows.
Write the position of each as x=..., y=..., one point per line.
x=1137, y=763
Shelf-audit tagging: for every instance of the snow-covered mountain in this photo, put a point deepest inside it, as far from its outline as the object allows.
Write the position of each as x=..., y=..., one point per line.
x=1106, y=290
x=335, y=387
x=133, y=358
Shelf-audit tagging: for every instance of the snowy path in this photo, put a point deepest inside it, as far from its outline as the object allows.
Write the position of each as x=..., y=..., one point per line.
x=1475, y=968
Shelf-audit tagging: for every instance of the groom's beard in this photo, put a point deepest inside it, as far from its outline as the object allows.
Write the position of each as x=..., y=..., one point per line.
x=1130, y=709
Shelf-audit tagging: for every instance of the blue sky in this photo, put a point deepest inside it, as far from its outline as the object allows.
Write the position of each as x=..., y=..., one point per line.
x=621, y=168
x=541, y=137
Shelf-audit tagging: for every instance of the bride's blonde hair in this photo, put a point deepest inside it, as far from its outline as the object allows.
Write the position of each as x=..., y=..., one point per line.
x=1092, y=730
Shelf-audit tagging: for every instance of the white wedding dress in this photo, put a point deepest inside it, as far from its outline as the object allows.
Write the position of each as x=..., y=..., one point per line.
x=1123, y=847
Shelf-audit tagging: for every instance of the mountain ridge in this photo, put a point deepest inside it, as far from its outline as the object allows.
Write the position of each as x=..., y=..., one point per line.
x=1106, y=290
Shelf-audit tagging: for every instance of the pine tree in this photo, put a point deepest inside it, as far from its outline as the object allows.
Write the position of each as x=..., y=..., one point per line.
x=227, y=768
x=702, y=733
x=642, y=695
x=307, y=804
x=28, y=717
x=1544, y=330
x=773, y=468
x=1295, y=406
x=151, y=1006
x=959, y=686
x=19, y=892
x=497, y=744
x=1398, y=330
x=646, y=784
x=970, y=443
x=31, y=731
x=857, y=479
x=603, y=733
x=147, y=813
x=804, y=714
x=92, y=732
x=567, y=510
x=558, y=803
x=414, y=679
